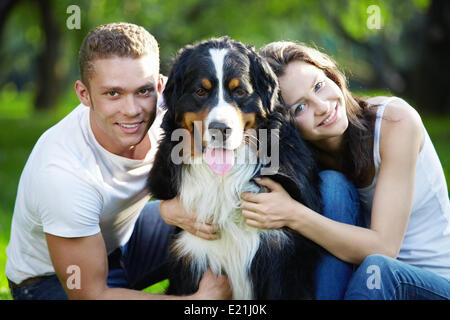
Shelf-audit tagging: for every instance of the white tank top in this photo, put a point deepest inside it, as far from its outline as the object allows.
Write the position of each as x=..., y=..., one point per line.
x=427, y=240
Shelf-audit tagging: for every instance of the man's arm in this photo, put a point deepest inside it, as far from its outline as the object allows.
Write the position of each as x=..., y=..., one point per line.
x=89, y=256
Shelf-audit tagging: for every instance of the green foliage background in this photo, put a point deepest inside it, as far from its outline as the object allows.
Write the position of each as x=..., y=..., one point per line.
x=338, y=27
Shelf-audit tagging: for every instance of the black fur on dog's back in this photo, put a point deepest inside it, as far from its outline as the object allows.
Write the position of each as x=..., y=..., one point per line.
x=285, y=272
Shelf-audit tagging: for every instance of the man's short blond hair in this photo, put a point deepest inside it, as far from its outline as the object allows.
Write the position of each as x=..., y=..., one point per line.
x=115, y=40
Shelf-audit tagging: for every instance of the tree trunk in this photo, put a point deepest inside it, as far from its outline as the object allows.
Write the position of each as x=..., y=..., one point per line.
x=5, y=7
x=429, y=82
x=48, y=79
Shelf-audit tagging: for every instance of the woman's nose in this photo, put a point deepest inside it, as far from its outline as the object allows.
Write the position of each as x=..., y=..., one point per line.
x=321, y=107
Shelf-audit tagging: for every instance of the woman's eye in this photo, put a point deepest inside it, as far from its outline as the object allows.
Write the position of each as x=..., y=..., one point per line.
x=318, y=86
x=201, y=92
x=299, y=108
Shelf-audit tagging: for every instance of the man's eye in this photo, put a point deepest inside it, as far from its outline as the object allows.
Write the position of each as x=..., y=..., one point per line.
x=299, y=108
x=145, y=91
x=112, y=93
x=318, y=86
x=201, y=92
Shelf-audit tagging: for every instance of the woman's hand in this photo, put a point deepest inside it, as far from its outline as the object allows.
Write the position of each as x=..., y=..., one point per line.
x=173, y=214
x=272, y=210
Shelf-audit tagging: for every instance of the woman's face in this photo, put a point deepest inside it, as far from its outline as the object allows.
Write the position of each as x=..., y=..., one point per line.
x=316, y=102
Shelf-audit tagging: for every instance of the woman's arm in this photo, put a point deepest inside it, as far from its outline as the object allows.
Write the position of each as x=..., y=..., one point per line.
x=400, y=141
x=277, y=209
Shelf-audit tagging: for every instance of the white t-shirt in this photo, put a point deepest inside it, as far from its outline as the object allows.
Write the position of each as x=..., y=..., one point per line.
x=72, y=187
x=427, y=239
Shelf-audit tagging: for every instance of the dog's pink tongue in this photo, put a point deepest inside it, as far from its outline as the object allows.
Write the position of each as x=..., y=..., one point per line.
x=219, y=160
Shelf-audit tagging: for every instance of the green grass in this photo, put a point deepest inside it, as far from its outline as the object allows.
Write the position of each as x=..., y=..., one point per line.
x=21, y=129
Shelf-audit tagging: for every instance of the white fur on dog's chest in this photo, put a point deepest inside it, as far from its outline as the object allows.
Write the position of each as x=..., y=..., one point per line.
x=216, y=199
x=228, y=255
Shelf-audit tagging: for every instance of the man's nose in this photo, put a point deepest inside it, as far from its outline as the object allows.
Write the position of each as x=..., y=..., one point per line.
x=131, y=107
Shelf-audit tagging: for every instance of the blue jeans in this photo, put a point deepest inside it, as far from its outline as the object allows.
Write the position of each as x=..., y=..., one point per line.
x=141, y=262
x=340, y=203
x=378, y=277
x=383, y=278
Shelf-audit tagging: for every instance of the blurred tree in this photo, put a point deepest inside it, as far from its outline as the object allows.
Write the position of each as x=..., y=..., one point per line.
x=48, y=78
x=5, y=9
x=422, y=77
x=407, y=55
x=429, y=82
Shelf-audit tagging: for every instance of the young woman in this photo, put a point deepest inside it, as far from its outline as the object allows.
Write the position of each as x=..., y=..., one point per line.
x=381, y=145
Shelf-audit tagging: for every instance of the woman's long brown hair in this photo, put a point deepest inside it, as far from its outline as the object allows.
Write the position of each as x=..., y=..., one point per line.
x=358, y=138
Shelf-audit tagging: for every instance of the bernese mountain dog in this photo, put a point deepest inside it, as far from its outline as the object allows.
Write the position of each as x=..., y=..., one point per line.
x=222, y=128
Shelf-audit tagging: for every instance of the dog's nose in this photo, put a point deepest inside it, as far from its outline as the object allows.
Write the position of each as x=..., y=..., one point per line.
x=217, y=127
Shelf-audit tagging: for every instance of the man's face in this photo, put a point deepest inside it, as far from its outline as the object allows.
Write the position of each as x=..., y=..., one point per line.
x=122, y=96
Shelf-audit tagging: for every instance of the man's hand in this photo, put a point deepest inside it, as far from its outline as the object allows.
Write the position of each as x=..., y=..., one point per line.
x=173, y=213
x=213, y=287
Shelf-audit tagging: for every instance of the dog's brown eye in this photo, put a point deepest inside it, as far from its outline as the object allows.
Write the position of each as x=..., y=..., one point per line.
x=239, y=92
x=201, y=92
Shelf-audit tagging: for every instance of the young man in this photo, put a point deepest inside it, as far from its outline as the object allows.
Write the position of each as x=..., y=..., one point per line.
x=82, y=226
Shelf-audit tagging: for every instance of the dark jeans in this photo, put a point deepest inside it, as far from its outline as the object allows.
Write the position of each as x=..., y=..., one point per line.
x=340, y=203
x=383, y=278
x=378, y=277
x=142, y=261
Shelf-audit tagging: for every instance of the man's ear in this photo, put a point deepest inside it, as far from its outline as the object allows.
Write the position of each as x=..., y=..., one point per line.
x=161, y=83
x=82, y=93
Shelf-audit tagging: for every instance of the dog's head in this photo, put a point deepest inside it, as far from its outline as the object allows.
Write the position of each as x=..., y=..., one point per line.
x=222, y=79
x=217, y=92
x=219, y=89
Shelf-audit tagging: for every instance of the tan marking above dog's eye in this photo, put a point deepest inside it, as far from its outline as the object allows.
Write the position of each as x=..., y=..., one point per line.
x=206, y=84
x=234, y=83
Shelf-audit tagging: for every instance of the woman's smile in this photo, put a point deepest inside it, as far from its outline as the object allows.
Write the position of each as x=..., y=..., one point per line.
x=331, y=118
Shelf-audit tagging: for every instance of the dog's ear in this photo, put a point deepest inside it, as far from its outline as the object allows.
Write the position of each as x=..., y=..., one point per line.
x=165, y=176
x=174, y=86
x=297, y=169
x=264, y=80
